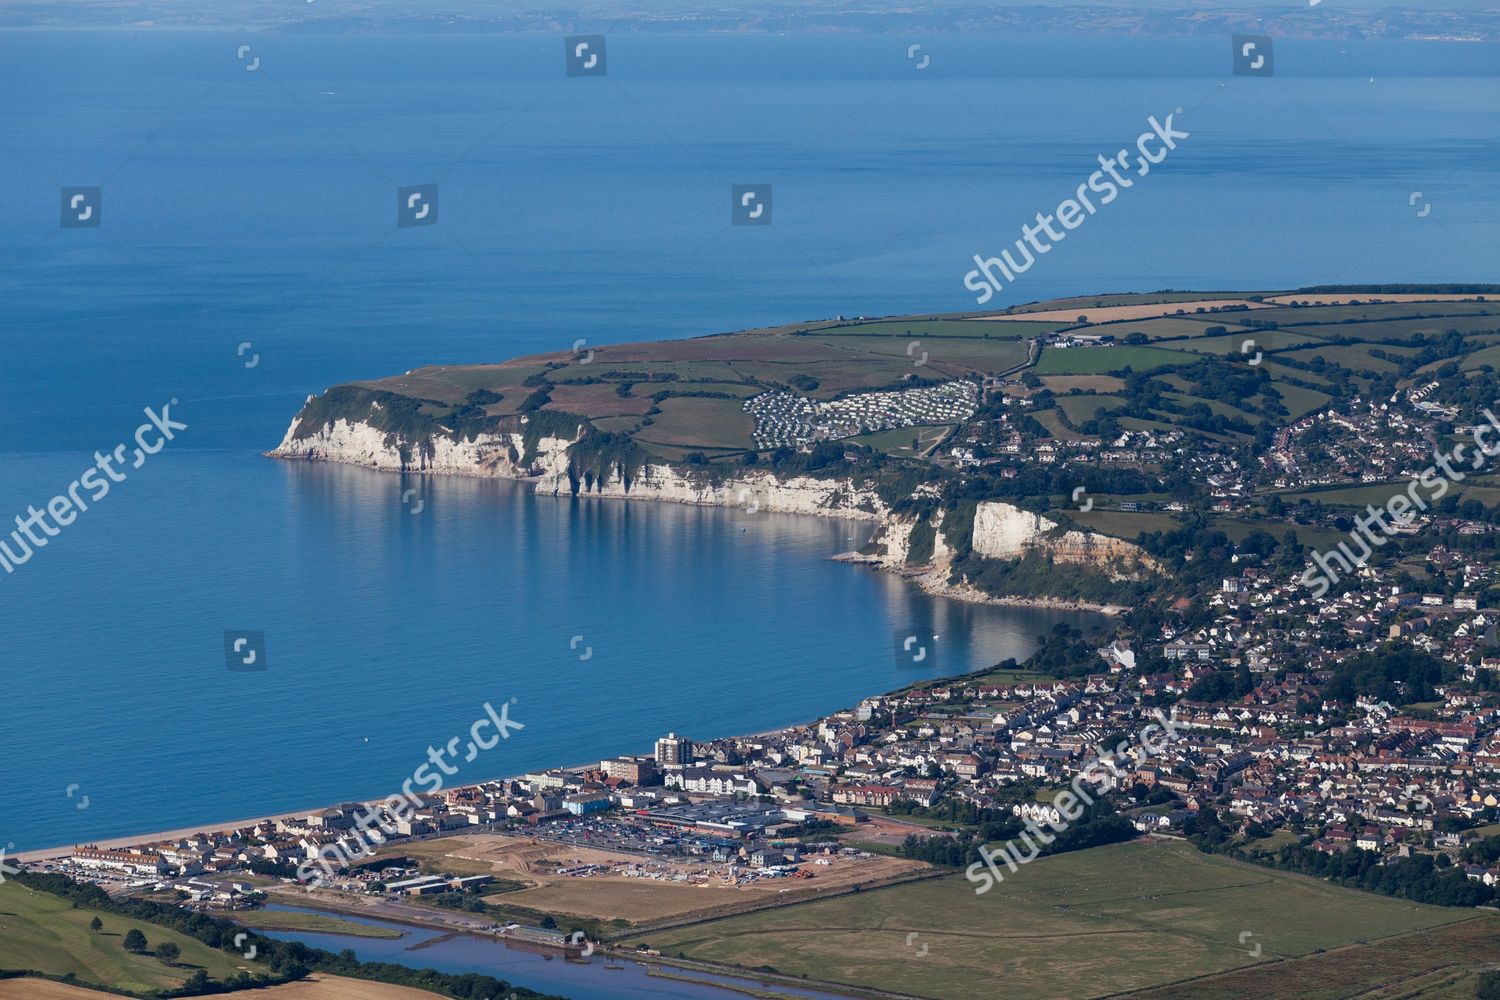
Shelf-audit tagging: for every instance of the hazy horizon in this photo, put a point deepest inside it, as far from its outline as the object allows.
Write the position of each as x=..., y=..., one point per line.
x=1156, y=17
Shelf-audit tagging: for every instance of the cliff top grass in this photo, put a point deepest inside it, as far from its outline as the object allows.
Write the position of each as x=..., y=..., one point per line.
x=678, y=399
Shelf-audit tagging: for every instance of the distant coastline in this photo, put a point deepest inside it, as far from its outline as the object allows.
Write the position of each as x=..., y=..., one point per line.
x=1143, y=18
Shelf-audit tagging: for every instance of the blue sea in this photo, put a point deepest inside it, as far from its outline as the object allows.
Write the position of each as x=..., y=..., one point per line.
x=248, y=256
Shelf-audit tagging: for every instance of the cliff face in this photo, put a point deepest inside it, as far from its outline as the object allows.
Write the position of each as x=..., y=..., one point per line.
x=1001, y=530
x=496, y=455
x=503, y=456
x=753, y=490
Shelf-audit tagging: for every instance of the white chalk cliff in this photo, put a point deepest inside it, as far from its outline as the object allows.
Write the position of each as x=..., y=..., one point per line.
x=503, y=456
x=1001, y=530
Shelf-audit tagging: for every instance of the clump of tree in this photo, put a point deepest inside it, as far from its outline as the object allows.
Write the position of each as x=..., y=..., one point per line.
x=1422, y=878
x=1397, y=673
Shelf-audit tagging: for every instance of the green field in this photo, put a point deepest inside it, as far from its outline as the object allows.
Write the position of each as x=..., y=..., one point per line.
x=1085, y=924
x=1081, y=409
x=698, y=423
x=314, y=923
x=1278, y=372
x=1314, y=537
x=1261, y=340
x=1351, y=496
x=1099, y=360
x=1006, y=678
x=1222, y=409
x=1083, y=303
x=616, y=386
x=1352, y=317
x=1383, y=331
x=1355, y=357
x=1172, y=327
x=1052, y=420
x=961, y=353
x=1140, y=424
x=916, y=328
x=1300, y=401
x=898, y=440
x=1063, y=384
x=1488, y=356
x=1442, y=963
x=1124, y=523
x=45, y=934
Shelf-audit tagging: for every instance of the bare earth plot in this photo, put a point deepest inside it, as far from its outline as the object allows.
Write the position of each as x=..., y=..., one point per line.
x=613, y=896
x=1087, y=924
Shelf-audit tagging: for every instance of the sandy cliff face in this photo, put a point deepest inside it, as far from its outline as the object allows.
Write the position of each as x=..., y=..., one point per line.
x=1003, y=531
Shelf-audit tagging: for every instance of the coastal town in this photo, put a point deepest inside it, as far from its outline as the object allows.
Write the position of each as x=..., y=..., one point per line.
x=1272, y=748
x=1325, y=697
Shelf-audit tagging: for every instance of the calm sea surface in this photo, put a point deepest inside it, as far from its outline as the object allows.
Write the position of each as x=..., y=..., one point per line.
x=249, y=217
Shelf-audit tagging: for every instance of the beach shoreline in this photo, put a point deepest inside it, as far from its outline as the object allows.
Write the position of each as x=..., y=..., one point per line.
x=62, y=852
x=973, y=595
